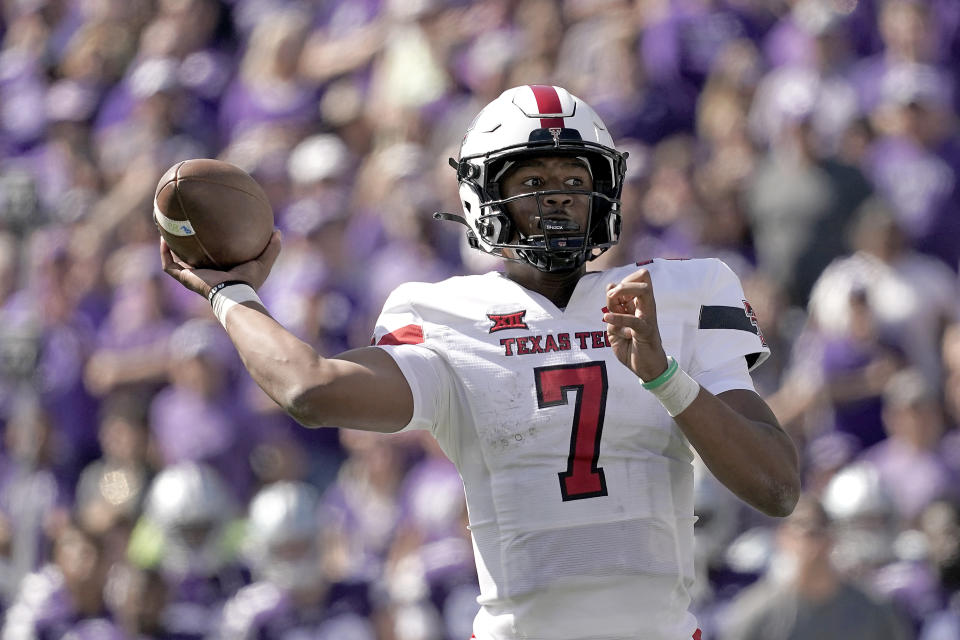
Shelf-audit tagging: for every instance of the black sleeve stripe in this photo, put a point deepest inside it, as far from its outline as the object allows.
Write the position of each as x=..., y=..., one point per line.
x=726, y=318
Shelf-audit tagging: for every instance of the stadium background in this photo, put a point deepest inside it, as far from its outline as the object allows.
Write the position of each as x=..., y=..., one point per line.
x=812, y=144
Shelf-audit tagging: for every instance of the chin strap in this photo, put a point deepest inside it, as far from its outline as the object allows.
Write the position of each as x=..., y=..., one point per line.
x=553, y=260
x=452, y=217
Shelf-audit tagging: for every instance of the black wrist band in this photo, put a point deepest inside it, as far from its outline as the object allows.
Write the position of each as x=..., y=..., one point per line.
x=215, y=289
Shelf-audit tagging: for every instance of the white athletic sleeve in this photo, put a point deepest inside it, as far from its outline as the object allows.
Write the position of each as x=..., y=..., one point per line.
x=402, y=333
x=429, y=383
x=728, y=342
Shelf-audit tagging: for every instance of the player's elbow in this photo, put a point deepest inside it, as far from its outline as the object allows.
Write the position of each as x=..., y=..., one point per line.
x=781, y=497
x=780, y=481
x=298, y=407
x=306, y=405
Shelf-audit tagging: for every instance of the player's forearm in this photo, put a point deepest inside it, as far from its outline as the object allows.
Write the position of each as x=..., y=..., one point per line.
x=752, y=456
x=361, y=389
x=279, y=362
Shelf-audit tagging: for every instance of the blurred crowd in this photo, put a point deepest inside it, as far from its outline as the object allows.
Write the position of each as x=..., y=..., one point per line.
x=149, y=490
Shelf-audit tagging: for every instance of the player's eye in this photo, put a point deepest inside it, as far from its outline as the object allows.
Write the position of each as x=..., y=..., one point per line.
x=573, y=182
x=533, y=182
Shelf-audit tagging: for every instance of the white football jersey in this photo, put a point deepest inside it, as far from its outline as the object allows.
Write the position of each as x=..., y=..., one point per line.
x=578, y=483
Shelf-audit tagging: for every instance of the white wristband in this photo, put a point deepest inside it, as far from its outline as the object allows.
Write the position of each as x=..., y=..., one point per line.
x=229, y=297
x=677, y=391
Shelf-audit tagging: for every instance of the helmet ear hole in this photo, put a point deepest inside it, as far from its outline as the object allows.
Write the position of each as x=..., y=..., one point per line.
x=495, y=229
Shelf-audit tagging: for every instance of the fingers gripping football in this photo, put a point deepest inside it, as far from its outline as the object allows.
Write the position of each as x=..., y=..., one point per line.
x=632, y=325
x=253, y=272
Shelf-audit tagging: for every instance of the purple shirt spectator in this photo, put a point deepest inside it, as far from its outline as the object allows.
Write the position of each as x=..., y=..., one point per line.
x=44, y=612
x=929, y=475
x=23, y=90
x=432, y=498
x=61, y=338
x=859, y=417
x=918, y=183
x=245, y=107
x=262, y=611
x=196, y=602
x=198, y=418
x=189, y=427
x=685, y=42
x=913, y=420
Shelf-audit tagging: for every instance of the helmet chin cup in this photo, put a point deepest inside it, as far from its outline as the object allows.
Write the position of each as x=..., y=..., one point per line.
x=558, y=226
x=551, y=261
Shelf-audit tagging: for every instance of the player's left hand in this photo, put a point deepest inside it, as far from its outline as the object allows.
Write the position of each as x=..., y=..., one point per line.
x=632, y=325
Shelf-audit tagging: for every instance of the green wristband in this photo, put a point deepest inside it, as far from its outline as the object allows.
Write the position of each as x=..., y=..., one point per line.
x=661, y=379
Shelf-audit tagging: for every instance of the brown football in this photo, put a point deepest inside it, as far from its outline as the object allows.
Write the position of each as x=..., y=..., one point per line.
x=212, y=213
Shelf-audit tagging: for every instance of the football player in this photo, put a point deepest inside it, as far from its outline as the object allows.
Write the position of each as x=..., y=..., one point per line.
x=188, y=534
x=568, y=399
x=292, y=597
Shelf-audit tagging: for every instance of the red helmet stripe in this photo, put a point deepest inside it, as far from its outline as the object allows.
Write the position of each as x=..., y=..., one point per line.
x=548, y=101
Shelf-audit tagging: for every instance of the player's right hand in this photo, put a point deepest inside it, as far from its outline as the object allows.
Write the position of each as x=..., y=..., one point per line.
x=201, y=281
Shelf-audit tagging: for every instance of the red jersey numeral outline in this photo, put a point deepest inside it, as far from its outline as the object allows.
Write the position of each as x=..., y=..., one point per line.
x=583, y=478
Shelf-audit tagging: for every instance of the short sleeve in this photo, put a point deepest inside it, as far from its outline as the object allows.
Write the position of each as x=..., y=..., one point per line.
x=400, y=332
x=427, y=376
x=728, y=340
x=399, y=322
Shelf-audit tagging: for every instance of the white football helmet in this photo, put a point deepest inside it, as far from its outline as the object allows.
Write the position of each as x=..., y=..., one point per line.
x=192, y=507
x=538, y=120
x=865, y=520
x=282, y=542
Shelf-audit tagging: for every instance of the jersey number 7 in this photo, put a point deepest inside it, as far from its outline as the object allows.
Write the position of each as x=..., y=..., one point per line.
x=583, y=478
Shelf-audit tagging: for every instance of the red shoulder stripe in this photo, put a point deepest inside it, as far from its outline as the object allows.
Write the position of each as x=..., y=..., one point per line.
x=410, y=334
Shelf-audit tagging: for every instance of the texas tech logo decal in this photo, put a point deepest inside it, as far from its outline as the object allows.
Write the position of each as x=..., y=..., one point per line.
x=503, y=321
